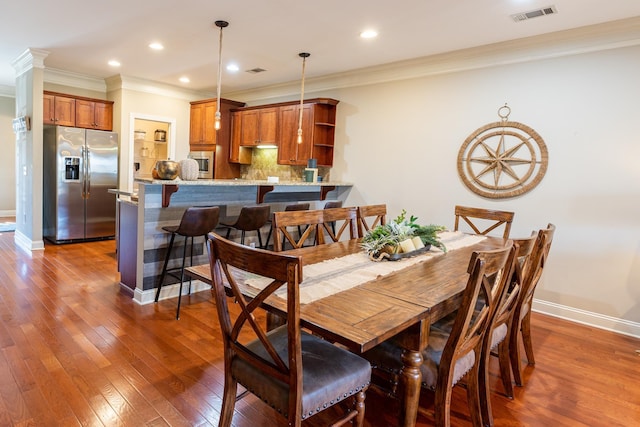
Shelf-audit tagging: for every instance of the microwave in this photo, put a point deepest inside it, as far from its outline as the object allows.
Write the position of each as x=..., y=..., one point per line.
x=205, y=163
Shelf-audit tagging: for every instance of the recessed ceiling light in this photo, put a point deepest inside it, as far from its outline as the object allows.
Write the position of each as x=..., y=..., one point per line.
x=156, y=46
x=369, y=34
x=114, y=63
x=233, y=68
x=184, y=79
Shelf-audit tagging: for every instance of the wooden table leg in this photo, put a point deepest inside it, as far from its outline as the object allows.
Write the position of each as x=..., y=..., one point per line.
x=410, y=382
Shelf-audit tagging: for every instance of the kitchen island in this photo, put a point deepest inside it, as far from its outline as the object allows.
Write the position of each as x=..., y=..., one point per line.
x=142, y=244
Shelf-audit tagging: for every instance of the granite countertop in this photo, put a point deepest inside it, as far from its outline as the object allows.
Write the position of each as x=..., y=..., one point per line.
x=223, y=182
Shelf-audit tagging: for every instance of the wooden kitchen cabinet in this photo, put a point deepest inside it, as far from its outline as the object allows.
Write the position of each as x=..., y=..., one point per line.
x=259, y=127
x=289, y=151
x=202, y=133
x=69, y=110
x=318, y=132
x=94, y=114
x=204, y=137
x=238, y=154
x=59, y=110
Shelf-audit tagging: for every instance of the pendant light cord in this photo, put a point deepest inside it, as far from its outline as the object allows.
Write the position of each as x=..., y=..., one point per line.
x=219, y=70
x=304, y=56
x=217, y=122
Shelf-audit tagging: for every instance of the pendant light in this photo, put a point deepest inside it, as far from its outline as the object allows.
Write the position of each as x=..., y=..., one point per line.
x=304, y=56
x=218, y=116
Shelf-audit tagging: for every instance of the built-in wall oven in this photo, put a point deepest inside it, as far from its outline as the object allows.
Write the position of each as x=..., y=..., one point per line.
x=205, y=163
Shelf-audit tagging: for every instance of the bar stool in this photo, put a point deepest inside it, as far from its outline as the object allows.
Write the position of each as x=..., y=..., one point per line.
x=294, y=207
x=251, y=218
x=196, y=221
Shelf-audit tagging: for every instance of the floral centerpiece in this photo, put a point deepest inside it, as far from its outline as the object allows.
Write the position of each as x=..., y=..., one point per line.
x=401, y=235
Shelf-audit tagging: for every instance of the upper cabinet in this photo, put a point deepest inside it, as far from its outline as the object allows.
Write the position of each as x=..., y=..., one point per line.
x=202, y=133
x=259, y=127
x=238, y=154
x=204, y=137
x=318, y=133
x=69, y=110
x=290, y=152
x=59, y=110
x=94, y=114
x=277, y=124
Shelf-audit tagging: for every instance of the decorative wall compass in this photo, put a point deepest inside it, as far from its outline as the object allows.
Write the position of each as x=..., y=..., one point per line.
x=502, y=159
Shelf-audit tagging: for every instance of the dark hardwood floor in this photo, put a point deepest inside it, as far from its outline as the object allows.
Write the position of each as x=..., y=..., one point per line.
x=74, y=350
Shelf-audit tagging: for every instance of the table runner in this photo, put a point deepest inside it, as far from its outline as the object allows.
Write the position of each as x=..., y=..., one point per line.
x=339, y=274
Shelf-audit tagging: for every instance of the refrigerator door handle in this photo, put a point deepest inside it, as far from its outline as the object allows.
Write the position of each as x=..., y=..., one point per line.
x=83, y=171
x=87, y=175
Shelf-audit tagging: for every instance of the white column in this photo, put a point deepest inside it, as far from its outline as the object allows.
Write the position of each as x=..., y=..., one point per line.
x=29, y=149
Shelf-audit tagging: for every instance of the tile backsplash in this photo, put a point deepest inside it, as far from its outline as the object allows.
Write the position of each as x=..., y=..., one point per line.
x=264, y=163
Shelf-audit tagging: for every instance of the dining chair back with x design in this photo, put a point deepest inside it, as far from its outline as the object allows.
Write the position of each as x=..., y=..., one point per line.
x=521, y=327
x=296, y=373
x=454, y=348
x=496, y=341
x=370, y=216
x=345, y=221
x=483, y=221
x=288, y=208
x=283, y=222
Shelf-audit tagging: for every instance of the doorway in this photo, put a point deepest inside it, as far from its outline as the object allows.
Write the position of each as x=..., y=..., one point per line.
x=153, y=139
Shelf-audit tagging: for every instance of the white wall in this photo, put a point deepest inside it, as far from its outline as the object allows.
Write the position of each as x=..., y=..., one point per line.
x=398, y=143
x=136, y=97
x=8, y=150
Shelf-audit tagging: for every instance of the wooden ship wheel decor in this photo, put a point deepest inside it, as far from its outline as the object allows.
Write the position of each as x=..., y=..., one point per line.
x=502, y=159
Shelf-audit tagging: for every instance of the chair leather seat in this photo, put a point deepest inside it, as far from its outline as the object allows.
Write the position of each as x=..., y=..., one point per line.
x=171, y=228
x=330, y=373
x=387, y=356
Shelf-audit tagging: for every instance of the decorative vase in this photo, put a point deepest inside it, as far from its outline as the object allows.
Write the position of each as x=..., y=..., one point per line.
x=188, y=170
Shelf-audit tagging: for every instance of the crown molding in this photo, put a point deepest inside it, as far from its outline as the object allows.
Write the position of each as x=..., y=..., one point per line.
x=138, y=84
x=593, y=38
x=7, y=91
x=29, y=59
x=76, y=80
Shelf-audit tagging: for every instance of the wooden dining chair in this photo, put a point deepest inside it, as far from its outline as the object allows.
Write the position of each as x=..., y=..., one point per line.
x=521, y=326
x=370, y=217
x=288, y=208
x=454, y=349
x=332, y=205
x=337, y=222
x=496, y=342
x=283, y=222
x=483, y=221
x=271, y=364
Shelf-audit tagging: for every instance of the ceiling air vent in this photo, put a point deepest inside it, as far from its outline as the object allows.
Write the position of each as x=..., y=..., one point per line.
x=551, y=10
x=256, y=70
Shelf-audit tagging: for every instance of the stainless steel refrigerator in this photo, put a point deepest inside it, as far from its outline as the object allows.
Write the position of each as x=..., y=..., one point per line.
x=80, y=166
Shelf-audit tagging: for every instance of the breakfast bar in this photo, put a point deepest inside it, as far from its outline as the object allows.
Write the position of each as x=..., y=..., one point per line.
x=142, y=244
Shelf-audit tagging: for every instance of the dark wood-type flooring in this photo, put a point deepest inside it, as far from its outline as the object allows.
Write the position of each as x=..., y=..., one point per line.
x=75, y=350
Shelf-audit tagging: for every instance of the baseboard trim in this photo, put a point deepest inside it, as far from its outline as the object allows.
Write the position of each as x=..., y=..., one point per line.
x=7, y=213
x=601, y=321
x=168, y=291
x=26, y=243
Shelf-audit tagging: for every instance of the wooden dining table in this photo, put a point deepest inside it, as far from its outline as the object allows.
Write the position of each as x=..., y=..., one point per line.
x=400, y=306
